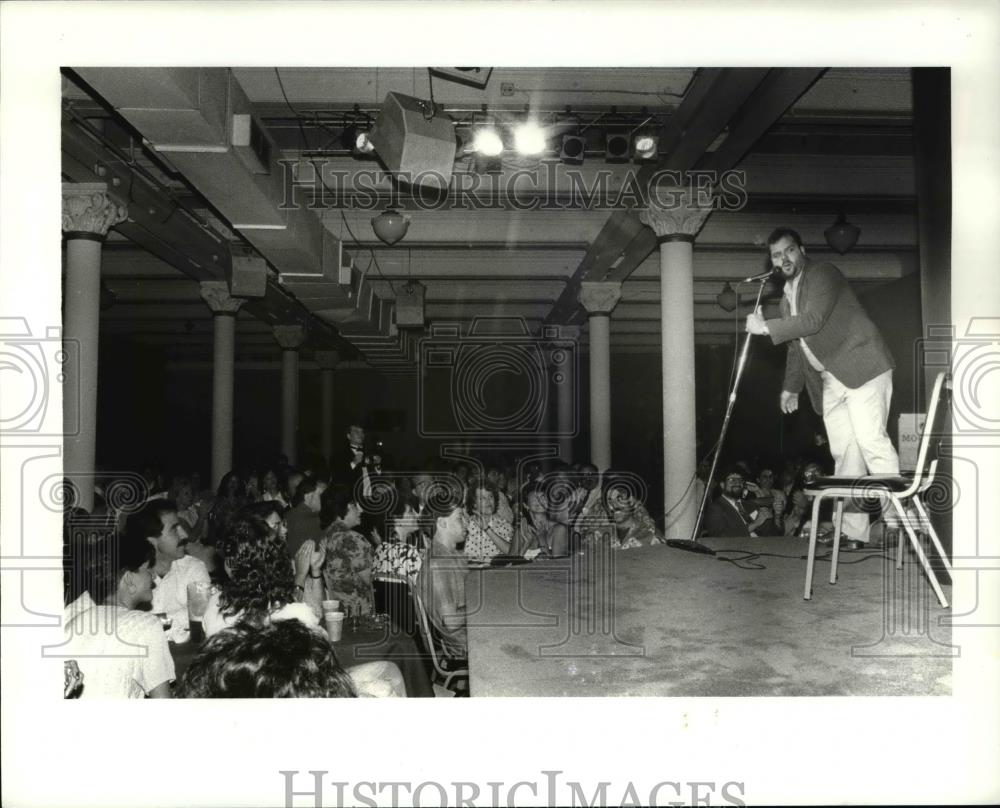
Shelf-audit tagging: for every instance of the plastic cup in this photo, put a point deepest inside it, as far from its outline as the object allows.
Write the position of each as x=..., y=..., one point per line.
x=331, y=606
x=334, y=622
x=198, y=595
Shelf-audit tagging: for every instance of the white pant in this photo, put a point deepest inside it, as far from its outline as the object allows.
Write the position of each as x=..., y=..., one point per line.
x=855, y=426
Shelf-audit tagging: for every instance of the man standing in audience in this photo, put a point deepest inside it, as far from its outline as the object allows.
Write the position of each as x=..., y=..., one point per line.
x=350, y=465
x=441, y=582
x=157, y=523
x=836, y=353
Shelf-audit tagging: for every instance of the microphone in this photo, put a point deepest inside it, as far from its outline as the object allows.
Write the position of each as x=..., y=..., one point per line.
x=763, y=276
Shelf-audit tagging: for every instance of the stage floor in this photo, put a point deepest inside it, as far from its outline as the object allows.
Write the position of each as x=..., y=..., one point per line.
x=658, y=621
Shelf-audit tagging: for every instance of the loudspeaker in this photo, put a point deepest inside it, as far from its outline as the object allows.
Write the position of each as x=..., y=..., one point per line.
x=417, y=148
x=247, y=274
x=410, y=305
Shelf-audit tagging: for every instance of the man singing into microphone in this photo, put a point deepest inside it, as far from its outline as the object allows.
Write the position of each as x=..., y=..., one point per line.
x=837, y=353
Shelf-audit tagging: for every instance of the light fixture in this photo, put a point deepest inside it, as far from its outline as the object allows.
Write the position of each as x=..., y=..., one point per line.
x=573, y=149
x=529, y=138
x=487, y=142
x=646, y=146
x=390, y=226
x=842, y=235
x=727, y=298
x=616, y=147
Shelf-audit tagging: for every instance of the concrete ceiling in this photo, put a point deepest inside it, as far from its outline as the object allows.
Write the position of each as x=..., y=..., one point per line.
x=844, y=144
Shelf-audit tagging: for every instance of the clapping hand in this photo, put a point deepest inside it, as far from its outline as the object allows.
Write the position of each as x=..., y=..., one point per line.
x=309, y=559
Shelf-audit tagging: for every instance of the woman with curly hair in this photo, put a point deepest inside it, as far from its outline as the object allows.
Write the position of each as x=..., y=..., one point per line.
x=262, y=581
x=487, y=534
x=631, y=524
x=278, y=661
x=349, y=555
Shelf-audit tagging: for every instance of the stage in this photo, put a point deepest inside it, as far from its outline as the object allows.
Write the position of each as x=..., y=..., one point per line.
x=658, y=621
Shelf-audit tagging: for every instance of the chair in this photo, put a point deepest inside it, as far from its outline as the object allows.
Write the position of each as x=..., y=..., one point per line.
x=898, y=491
x=392, y=597
x=446, y=670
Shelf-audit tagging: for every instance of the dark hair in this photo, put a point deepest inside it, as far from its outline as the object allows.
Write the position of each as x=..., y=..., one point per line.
x=147, y=522
x=179, y=482
x=784, y=232
x=277, y=661
x=333, y=504
x=263, y=509
x=306, y=486
x=222, y=493
x=96, y=566
x=259, y=569
x=472, y=495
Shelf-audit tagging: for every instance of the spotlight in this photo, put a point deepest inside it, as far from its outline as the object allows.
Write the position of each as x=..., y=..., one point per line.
x=646, y=146
x=487, y=142
x=357, y=139
x=616, y=146
x=573, y=149
x=529, y=138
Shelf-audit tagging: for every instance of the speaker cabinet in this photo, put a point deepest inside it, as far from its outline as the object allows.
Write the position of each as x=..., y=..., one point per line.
x=419, y=149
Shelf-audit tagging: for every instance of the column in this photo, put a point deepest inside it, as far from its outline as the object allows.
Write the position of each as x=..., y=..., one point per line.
x=599, y=299
x=87, y=215
x=675, y=229
x=563, y=375
x=327, y=361
x=224, y=308
x=290, y=338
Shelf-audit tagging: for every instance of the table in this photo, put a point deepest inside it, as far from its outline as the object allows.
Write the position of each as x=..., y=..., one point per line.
x=658, y=621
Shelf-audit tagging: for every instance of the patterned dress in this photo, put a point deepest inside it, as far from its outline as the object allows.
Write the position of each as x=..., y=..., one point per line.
x=637, y=530
x=347, y=570
x=479, y=543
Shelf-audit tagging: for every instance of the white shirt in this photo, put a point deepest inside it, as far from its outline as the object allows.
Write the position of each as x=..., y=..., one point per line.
x=791, y=292
x=170, y=594
x=122, y=653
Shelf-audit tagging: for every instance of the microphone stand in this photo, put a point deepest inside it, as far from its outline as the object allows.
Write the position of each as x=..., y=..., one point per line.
x=693, y=543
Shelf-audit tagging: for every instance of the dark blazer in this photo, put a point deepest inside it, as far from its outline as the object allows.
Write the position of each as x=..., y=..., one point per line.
x=837, y=330
x=722, y=520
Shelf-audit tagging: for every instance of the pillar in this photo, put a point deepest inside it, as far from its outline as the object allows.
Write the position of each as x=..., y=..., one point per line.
x=327, y=361
x=224, y=308
x=600, y=299
x=87, y=215
x=290, y=338
x=675, y=230
x=567, y=389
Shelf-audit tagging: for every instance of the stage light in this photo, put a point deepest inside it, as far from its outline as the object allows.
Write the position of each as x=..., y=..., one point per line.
x=487, y=142
x=727, y=298
x=646, y=146
x=357, y=140
x=616, y=146
x=529, y=138
x=573, y=149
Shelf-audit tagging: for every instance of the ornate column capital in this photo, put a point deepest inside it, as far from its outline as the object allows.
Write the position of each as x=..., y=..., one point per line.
x=680, y=222
x=216, y=295
x=88, y=211
x=599, y=297
x=327, y=360
x=289, y=337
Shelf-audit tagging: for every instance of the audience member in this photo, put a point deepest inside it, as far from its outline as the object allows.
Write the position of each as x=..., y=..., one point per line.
x=631, y=524
x=727, y=516
x=283, y=659
x=348, y=568
x=487, y=535
x=303, y=519
x=156, y=523
x=110, y=634
x=441, y=582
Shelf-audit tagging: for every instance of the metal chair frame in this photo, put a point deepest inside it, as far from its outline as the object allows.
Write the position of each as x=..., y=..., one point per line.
x=910, y=490
x=446, y=676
